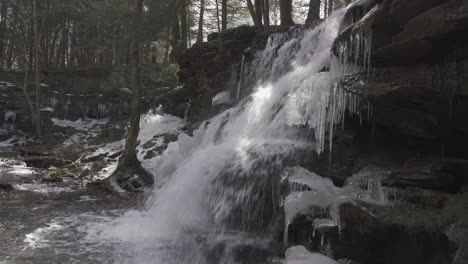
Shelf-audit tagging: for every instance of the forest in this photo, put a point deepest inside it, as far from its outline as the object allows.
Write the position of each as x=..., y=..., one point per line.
x=234, y=131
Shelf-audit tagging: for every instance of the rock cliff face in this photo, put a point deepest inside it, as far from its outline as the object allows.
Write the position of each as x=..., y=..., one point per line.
x=409, y=61
x=417, y=79
x=82, y=93
x=205, y=69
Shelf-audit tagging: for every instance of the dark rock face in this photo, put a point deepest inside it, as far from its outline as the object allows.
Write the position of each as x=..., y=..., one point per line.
x=418, y=79
x=417, y=85
x=371, y=239
x=403, y=11
x=6, y=187
x=205, y=69
x=437, y=22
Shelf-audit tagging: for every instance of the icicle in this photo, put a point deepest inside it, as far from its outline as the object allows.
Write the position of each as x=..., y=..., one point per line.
x=369, y=53
x=187, y=109
x=332, y=122
x=103, y=110
x=286, y=234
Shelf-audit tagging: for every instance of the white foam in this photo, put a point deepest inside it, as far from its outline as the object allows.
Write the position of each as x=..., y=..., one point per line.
x=300, y=255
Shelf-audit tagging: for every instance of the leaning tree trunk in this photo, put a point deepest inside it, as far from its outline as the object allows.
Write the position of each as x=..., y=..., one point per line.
x=129, y=174
x=253, y=14
x=314, y=11
x=129, y=155
x=286, y=13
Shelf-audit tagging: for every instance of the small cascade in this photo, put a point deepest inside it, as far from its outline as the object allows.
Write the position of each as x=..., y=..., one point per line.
x=52, y=101
x=232, y=84
x=103, y=110
x=66, y=107
x=187, y=109
x=239, y=85
x=367, y=185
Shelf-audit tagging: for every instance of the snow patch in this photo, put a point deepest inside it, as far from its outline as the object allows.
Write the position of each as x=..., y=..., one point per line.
x=47, y=109
x=10, y=116
x=80, y=124
x=153, y=127
x=6, y=84
x=222, y=98
x=11, y=142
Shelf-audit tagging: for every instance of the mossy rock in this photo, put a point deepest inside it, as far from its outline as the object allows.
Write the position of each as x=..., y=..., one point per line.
x=149, y=144
x=417, y=218
x=54, y=172
x=170, y=138
x=150, y=154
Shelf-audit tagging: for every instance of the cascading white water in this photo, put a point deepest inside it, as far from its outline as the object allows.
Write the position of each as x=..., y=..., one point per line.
x=225, y=179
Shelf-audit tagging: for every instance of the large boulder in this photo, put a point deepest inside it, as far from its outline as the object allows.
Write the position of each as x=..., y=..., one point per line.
x=438, y=22
x=403, y=11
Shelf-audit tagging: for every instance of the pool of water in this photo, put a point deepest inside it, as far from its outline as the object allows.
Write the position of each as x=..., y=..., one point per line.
x=41, y=223
x=63, y=223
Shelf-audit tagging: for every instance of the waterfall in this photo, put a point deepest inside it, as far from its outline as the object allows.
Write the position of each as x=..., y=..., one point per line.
x=225, y=180
x=239, y=85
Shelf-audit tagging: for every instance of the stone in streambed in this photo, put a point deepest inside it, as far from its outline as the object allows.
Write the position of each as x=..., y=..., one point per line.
x=51, y=180
x=6, y=187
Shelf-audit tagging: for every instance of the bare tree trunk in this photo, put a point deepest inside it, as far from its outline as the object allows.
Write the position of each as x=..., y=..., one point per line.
x=330, y=7
x=168, y=46
x=129, y=155
x=200, y=22
x=314, y=11
x=26, y=94
x=218, y=21
x=9, y=55
x=37, y=79
x=224, y=14
x=183, y=25
x=175, y=41
x=325, y=8
x=129, y=166
x=258, y=11
x=3, y=27
x=73, y=48
x=189, y=32
x=286, y=13
x=266, y=13
x=253, y=14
